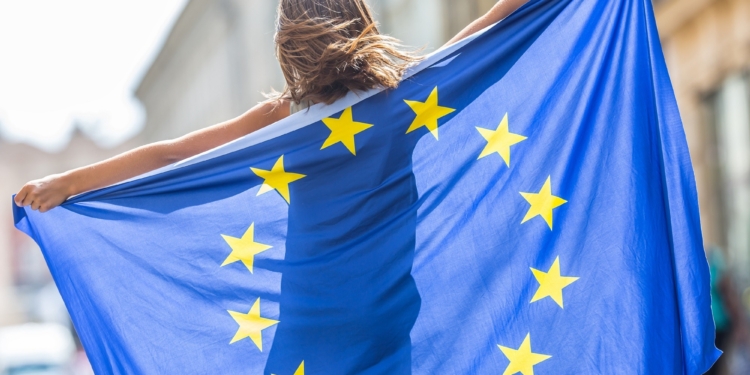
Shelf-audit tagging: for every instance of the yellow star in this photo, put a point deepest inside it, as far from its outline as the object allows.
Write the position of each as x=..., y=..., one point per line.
x=500, y=140
x=343, y=129
x=277, y=179
x=300, y=369
x=551, y=284
x=244, y=249
x=522, y=360
x=251, y=325
x=428, y=113
x=542, y=203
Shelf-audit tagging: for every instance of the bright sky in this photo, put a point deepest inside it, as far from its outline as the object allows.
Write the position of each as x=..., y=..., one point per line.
x=63, y=62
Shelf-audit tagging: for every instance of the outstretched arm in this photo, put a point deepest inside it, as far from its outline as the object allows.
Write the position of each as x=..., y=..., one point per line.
x=502, y=9
x=51, y=191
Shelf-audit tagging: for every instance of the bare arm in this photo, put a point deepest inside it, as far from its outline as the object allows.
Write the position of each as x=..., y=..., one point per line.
x=502, y=9
x=51, y=191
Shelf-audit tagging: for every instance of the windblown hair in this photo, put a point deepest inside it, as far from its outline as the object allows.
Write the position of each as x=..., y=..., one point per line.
x=327, y=48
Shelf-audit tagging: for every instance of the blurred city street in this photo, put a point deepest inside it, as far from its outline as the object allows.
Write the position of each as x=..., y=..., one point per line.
x=83, y=80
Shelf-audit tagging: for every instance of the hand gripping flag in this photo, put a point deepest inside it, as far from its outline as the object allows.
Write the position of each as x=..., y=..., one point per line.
x=522, y=204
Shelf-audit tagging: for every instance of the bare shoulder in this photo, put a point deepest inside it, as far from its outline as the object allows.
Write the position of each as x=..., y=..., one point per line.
x=263, y=114
x=273, y=110
x=280, y=107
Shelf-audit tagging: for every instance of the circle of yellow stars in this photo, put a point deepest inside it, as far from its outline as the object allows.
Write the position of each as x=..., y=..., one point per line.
x=344, y=130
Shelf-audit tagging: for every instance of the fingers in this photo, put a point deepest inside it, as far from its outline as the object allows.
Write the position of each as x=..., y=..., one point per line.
x=40, y=205
x=21, y=196
x=29, y=197
x=40, y=196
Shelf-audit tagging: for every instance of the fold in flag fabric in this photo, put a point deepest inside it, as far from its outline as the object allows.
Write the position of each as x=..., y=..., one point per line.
x=523, y=203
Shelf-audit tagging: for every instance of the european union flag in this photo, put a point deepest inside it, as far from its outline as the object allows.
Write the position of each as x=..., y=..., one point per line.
x=523, y=203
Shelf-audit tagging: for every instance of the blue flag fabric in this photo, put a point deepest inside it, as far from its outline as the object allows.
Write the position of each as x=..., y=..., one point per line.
x=523, y=203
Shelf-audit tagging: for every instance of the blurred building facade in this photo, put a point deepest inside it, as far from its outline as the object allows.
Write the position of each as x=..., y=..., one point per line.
x=707, y=47
x=212, y=67
x=26, y=288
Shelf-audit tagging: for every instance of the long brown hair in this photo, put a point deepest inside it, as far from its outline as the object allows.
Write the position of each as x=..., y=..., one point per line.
x=327, y=48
